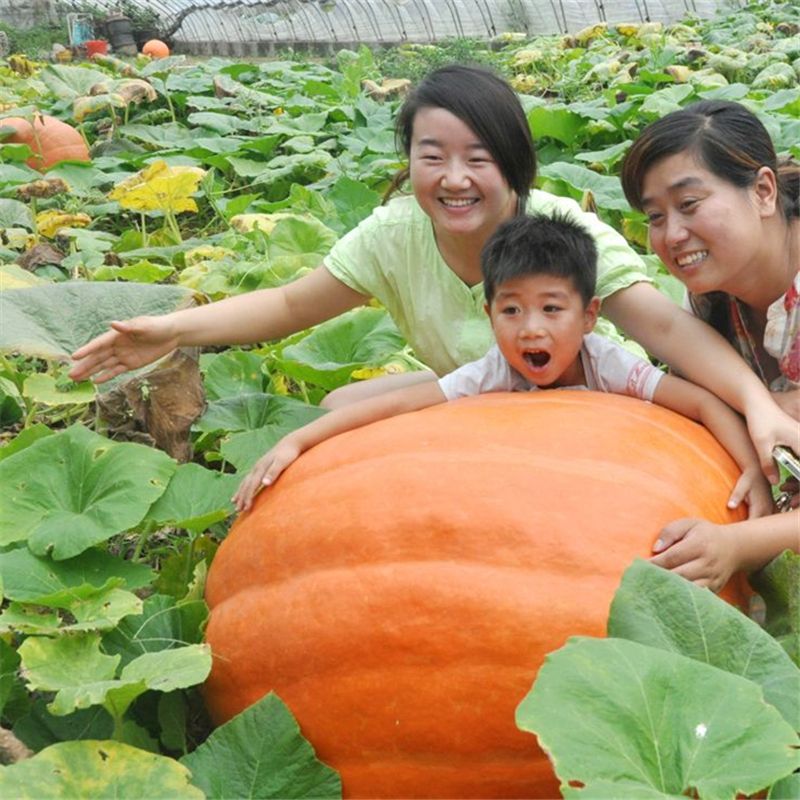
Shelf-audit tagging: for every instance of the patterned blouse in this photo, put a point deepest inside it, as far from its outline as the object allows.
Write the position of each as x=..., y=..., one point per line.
x=781, y=335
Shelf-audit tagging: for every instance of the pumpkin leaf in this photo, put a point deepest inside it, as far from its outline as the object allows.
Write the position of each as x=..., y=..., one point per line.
x=779, y=584
x=101, y=610
x=252, y=411
x=9, y=663
x=97, y=769
x=606, y=190
x=164, y=623
x=656, y=607
x=33, y=579
x=83, y=676
x=45, y=389
x=14, y=214
x=14, y=277
x=610, y=712
x=39, y=728
x=232, y=373
x=160, y=187
x=195, y=499
x=72, y=490
x=67, y=82
x=24, y=439
x=243, y=449
x=786, y=789
x=53, y=320
x=261, y=753
x=365, y=337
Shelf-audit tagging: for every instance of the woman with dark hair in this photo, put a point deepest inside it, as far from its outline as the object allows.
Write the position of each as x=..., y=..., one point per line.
x=725, y=219
x=471, y=163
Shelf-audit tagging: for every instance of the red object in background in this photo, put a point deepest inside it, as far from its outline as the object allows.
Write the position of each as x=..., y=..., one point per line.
x=96, y=47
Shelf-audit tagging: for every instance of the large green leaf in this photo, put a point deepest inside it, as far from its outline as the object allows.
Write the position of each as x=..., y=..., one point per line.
x=195, y=499
x=261, y=754
x=99, y=611
x=53, y=320
x=96, y=769
x=606, y=190
x=243, y=449
x=327, y=357
x=639, y=721
x=653, y=606
x=251, y=411
x=83, y=676
x=33, y=579
x=555, y=121
x=779, y=584
x=232, y=373
x=164, y=623
x=75, y=489
x=14, y=214
x=67, y=82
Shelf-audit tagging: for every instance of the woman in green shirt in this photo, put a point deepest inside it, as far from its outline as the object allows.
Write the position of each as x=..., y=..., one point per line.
x=471, y=165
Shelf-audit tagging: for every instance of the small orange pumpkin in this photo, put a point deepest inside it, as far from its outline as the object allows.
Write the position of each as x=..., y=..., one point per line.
x=50, y=139
x=155, y=48
x=401, y=584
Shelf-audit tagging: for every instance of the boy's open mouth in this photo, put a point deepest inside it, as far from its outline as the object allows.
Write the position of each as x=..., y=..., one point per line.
x=537, y=358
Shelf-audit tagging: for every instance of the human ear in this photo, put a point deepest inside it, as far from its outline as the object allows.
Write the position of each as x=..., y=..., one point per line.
x=765, y=188
x=590, y=314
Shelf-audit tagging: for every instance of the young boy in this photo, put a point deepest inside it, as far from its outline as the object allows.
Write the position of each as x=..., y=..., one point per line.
x=539, y=278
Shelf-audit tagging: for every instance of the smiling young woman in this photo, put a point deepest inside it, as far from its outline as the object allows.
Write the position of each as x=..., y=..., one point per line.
x=472, y=164
x=725, y=219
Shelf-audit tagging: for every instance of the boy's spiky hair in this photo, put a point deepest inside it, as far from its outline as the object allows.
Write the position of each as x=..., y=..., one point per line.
x=540, y=245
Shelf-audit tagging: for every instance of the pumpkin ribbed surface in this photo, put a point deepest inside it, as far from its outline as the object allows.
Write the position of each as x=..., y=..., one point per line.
x=401, y=584
x=50, y=139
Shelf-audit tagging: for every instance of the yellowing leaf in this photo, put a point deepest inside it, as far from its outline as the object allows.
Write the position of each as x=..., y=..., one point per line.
x=366, y=373
x=159, y=187
x=206, y=252
x=83, y=106
x=48, y=223
x=244, y=223
x=14, y=277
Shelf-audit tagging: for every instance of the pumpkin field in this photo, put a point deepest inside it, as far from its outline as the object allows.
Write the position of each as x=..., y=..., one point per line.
x=144, y=185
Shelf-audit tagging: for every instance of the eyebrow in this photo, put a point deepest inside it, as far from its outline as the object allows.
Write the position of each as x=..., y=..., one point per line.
x=550, y=294
x=430, y=141
x=681, y=184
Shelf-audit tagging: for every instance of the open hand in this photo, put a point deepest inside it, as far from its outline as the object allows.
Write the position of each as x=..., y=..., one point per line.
x=128, y=345
x=265, y=472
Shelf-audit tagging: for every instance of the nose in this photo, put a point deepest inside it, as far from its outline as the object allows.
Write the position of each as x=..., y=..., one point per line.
x=455, y=175
x=674, y=230
x=532, y=327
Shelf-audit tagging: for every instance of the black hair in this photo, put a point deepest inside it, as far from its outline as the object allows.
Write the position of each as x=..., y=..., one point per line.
x=487, y=105
x=536, y=244
x=726, y=138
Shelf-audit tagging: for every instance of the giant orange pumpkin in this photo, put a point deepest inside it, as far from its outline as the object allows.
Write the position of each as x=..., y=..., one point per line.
x=50, y=139
x=401, y=584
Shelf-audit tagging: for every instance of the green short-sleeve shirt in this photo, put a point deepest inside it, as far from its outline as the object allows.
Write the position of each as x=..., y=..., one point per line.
x=392, y=256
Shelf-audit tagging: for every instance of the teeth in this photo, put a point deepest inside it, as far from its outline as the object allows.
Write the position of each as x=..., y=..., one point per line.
x=454, y=202
x=692, y=258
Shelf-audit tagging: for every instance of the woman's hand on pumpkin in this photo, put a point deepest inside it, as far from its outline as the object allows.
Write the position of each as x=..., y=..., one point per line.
x=698, y=550
x=772, y=425
x=265, y=472
x=753, y=489
x=128, y=345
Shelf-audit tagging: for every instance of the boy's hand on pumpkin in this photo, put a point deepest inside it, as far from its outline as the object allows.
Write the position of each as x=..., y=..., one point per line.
x=753, y=489
x=128, y=345
x=265, y=472
x=698, y=550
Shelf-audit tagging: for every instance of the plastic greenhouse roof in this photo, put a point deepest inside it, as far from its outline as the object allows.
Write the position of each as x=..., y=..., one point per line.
x=347, y=22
